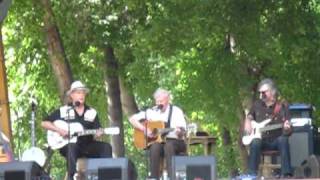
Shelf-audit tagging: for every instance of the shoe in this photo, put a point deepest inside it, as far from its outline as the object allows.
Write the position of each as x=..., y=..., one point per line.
x=287, y=176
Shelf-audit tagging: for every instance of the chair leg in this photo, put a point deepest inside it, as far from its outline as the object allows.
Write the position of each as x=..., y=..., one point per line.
x=266, y=171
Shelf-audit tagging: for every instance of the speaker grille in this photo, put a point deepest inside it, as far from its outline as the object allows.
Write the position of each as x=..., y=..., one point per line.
x=301, y=145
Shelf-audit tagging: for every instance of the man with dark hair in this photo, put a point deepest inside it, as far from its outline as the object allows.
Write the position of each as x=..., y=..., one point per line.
x=269, y=109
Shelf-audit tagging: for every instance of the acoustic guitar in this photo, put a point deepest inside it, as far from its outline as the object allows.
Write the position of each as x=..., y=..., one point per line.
x=158, y=131
x=6, y=154
x=56, y=141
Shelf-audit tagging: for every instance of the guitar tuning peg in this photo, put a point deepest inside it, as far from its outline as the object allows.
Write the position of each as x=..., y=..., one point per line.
x=192, y=128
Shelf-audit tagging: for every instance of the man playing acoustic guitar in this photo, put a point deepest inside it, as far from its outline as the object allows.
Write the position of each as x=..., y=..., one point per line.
x=268, y=110
x=77, y=116
x=174, y=125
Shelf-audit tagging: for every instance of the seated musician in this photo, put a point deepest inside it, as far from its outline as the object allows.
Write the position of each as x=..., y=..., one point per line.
x=268, y=106
x=6, y=154
x=75, y=113
x=173, y=117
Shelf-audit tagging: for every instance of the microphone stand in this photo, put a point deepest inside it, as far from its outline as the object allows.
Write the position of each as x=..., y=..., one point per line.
x=146, y=140
x=68, y=145
x=33, y=115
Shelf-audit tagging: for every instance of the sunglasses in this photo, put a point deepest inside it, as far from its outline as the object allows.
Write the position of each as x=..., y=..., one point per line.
x=263, y=92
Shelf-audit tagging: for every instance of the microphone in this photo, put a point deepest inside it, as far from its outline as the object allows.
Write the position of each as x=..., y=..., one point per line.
x=73, y=105
x=157, y=108
x=76, y=104
x=33, y=106
x=33, y=102
x=154, y=108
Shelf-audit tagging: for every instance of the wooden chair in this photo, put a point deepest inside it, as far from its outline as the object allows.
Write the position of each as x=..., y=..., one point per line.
x=266, y=166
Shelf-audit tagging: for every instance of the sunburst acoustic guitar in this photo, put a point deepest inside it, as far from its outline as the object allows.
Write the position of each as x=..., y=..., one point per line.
x=158, y=130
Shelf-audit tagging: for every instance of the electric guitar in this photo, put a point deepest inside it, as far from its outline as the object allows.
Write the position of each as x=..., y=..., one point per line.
x=258, y=129
x=55, y=141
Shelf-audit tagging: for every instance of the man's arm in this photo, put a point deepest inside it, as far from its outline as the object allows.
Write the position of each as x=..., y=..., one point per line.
x=247, y=122
x=286, y=117
x=48, y=125
x=97, y=125
x=135, y=121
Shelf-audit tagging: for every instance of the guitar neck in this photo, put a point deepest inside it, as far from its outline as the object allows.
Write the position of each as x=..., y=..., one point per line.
x=271, y=127
x=165, y=130
x=87, y=132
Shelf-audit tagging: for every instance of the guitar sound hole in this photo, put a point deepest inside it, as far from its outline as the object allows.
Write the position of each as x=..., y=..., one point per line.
x=155, y=131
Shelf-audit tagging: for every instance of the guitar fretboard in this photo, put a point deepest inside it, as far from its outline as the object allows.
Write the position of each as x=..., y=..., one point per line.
x=86, y=132
x=271, y=127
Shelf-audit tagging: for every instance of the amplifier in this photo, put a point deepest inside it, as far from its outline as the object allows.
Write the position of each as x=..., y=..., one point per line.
x=194, y=167
x=303, y=142
x=106, y=168
x=17, y=170
x=310, y=168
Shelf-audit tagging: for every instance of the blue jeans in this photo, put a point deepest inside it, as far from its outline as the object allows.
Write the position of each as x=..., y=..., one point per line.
x=281, y=144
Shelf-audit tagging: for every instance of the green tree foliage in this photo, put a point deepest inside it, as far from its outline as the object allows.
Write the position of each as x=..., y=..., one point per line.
x=180, y=45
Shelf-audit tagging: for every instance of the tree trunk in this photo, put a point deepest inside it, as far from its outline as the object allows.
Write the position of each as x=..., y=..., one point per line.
x=56, y=52
x=243, y=149
x=114, y=100
x=256, y=72
x=227, y=143
x=5, y=125
x=128, y=101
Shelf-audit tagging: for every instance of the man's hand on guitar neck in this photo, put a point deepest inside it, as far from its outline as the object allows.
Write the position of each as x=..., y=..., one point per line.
x=247, y=126
x=287, y=125
x=99, y=133
x=180, y=132
x=287, y=128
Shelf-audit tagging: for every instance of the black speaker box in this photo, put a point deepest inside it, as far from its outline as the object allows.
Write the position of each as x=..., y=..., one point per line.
x=310, y=168
x=17, y=170
x=194, y=167
x=302, y=144
x=106, y=169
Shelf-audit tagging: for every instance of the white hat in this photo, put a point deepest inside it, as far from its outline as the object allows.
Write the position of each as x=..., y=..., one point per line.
x=77, y=85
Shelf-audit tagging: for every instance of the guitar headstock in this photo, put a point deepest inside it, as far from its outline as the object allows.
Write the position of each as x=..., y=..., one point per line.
x=112, y=130
x=192, y=128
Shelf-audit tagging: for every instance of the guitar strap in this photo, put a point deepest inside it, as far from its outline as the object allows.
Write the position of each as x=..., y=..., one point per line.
x=276, y=110
x=167, y=125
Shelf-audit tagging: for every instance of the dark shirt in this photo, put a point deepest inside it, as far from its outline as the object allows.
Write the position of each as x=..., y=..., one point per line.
x=260, y=112
x=91, y=123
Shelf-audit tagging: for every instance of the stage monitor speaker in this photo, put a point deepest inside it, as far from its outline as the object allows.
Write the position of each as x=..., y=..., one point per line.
x=17, y=170
x=310, y=168
x=106, y=169
x=193, y=167
x=301, y=144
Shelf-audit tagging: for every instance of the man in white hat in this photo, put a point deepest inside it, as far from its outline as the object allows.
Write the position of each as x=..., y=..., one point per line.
x=75, y=116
